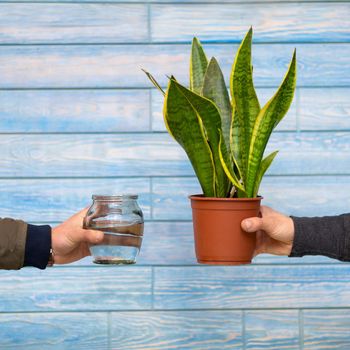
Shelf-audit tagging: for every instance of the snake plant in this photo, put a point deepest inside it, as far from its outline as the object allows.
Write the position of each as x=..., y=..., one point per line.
x=225, y=138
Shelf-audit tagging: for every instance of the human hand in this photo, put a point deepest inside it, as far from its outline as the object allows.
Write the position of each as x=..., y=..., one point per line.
x=70, y=242
x=274, y=232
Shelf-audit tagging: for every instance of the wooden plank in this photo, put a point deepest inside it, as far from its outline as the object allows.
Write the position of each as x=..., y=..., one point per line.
x=46, y=200
x=326, y=329
x=310, y=153
x=299, y=196
x=172, y=243
x=291, y=22
x=57, y=199
x=53, y=331
x=324, y=109
x=74, y=110
x=91, y=155
x=28, y=23
x=250, y=287
x=89, y=66
x=76, y=289
x=98, y=155
x=192, y=330
x=273, y=329
x=288, y=122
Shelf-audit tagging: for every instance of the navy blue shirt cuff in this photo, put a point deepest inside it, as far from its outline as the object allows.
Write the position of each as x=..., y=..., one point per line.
x=38, y=245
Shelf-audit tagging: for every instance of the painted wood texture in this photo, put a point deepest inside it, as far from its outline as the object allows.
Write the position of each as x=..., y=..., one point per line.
x=272, y=329
x=57, y=199
x=326, y=329
x=252, y=287
x=106, y=155
x=47, y=200
x=285, y=22
x=74, y=111
x=192, y=330
x=78, y=116
x=54, y=331
x=76, y=289
x=289, y=122
x=324, y=109
x=128, y=110
x=82, y=66
x=73, y=23
x=299, y=196
x=108, y=22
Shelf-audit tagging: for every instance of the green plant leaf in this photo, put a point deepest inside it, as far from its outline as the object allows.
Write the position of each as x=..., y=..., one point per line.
x=210, y=117
x=186, y=127
x=227, y=165
x=214, y=88
x=235, y=140
x=154, y=81
x=264, y=165
x=271, y=114
x=243, y=94
x=198, y=66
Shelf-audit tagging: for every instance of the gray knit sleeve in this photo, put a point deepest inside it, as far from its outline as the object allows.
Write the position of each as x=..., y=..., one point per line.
x=328, y=236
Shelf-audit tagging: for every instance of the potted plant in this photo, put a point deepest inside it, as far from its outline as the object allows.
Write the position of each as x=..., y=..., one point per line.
x=225, y=139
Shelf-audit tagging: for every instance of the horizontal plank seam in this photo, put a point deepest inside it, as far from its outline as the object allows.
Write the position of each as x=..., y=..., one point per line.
x=150, y=133
x=174, y=43
x=170, y=310
x=172, y=2
x=142, y=88
x=9, y=178
x=147, y=87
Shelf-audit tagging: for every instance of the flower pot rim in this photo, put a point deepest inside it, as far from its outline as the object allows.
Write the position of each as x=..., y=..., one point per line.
x=200, y=197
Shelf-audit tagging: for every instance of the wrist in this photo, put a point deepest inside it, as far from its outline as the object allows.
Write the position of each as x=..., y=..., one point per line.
x=291, y=232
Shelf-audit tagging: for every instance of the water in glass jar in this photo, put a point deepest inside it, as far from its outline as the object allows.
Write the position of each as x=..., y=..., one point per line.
x=119, y=245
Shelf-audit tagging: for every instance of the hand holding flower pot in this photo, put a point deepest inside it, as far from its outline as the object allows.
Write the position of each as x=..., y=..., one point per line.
x=225, y=140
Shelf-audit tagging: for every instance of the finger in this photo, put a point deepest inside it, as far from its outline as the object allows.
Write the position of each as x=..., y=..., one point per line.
x=89, y=236
x=80, y=214
x=93, y=236
x=252, y=224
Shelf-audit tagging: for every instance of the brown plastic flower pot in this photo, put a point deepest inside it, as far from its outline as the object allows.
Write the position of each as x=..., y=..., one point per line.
x=219, y=239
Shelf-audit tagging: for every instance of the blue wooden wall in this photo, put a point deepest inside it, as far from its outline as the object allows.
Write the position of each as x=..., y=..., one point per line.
x=77, y=117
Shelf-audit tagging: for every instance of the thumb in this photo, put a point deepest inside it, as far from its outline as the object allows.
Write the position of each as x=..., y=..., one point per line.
x=93, y=236
x=252, y=224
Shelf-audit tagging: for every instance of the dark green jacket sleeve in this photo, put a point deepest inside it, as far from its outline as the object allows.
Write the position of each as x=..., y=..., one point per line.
x=13, y=234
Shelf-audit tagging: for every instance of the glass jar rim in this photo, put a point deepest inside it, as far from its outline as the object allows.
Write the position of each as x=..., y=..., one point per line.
x=114, y=197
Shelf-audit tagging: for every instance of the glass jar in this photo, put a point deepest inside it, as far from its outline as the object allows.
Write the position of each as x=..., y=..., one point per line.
x=121, y=220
